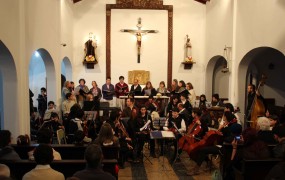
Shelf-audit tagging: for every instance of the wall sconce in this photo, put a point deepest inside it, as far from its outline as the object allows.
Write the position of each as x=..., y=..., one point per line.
x=227, y=51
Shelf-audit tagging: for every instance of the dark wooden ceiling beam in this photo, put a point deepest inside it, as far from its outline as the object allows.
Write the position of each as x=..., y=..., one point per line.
x=202, y=1
x=75, y=1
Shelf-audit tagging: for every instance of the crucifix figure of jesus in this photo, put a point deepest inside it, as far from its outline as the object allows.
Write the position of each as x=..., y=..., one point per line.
x=139, y=33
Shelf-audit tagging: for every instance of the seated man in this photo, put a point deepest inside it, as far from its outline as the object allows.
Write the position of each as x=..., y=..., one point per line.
x=93, y=156
x=279, y=135
x=216, y=100
x=51, y=109
x=177, y=125
x=43, y=156
x=7, y=153
x=4, y=171
x=67, y=104
x=45, y=137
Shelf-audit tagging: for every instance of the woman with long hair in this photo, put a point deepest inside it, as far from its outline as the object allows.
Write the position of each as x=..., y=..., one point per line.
x=192, y=94
x=148, y=89
x=106, y=136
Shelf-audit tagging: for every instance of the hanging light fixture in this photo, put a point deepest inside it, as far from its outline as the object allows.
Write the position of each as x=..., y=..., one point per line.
x=226, y=56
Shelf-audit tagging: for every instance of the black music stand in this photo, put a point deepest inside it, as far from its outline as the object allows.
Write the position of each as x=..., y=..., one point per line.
x=162, y=135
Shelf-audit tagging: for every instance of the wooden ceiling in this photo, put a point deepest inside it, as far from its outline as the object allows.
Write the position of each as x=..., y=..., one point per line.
x=75, y=1
x=201, y=1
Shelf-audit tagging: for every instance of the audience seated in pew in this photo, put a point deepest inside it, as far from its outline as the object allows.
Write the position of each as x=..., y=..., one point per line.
x=4, y=171
x=45, y=137
x=93, y=156
x=278, y=171
x=7, y=153
x=43, y=155
x=253, y=149
x=66, y=167
x=23, y=140
x=106, y=136
x=264, y=132
x=279, y=134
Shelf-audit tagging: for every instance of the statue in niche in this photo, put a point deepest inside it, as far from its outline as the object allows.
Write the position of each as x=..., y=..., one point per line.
x=188, y=50
x=90, y=50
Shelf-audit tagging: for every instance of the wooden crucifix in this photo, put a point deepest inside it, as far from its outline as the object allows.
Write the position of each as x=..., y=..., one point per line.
x=139, y=33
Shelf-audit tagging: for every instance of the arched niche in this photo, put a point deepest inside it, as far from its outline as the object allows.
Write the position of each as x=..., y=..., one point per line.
x=258, y=61
x=8, y=90
x=42, y=74
x=216, y=80
x=66, y=68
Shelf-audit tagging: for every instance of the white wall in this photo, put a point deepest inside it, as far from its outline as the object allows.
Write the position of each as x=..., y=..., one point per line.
x=189, y=18
x=154, y=45
x=66, y=33
x=264, y=27
x=27, y=26
x=219, y=32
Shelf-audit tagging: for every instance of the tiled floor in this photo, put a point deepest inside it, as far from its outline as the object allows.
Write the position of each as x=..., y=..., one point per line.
x=157, y=170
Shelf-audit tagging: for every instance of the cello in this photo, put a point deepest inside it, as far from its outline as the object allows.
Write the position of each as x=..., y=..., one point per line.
x=257, y=108
x=189, y=138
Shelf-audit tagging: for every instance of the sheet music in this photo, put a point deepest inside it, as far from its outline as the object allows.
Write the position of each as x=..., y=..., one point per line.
x=167, y=134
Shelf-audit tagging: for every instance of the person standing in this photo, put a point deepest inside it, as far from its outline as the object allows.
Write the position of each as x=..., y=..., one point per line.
x=136, y=89
x=97, y=94
x=108, y=90
x=65, y=90
x=81, y=91
x=192, y=94
x=121, y=89
x=42, y=102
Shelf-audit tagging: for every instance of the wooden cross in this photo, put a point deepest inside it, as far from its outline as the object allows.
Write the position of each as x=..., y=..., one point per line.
x=139, y=33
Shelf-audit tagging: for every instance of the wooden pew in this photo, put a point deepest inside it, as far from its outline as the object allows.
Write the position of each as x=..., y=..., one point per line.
x=67, y=167
x=255, y=169
x=227, y=152
x=67, y=151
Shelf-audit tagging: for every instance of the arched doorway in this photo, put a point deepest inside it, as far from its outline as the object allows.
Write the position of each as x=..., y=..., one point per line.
x=8, y=90
x=66, y=70
x=258, y=61
x=217, y=81
x=42, y=74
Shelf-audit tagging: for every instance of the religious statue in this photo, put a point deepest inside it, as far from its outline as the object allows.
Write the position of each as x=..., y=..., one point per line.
x=188, y=49
x=139, y=33
x=90, y=50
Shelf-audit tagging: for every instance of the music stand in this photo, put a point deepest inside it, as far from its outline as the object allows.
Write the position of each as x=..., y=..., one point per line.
x=162, y=135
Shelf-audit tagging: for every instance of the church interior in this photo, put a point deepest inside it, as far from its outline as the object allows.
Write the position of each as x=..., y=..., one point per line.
x=219, y=46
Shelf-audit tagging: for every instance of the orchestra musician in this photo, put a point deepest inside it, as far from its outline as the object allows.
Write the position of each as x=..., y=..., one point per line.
x=151, y=105
x=130, y=112
x=250, y=98
x=172, y=104
x=143, y=126
x=227, y=133
x=126, y=144
x=177, y=125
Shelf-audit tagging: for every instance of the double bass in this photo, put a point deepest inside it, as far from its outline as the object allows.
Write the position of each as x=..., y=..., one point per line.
x=189, y=138
x=257, y=108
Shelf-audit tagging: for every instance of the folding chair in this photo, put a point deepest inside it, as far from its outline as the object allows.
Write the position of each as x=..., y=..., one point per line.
x=61, y=139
